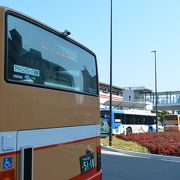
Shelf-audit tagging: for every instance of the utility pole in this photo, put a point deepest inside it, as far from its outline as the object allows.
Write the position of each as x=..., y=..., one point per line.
x=156, y=95
x=110, y=106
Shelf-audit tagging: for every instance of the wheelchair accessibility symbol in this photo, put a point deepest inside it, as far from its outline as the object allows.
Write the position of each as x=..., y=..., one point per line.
x=7, y=162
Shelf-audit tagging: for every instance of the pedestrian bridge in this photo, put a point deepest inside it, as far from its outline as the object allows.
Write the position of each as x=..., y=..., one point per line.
x=167, y=106
x=169, y=100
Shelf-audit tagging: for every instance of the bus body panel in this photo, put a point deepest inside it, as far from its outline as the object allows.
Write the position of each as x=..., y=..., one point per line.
x=56, y=158
x=38, y=107
x=28, y=113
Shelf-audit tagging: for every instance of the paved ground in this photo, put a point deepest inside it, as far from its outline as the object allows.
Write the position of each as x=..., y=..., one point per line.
x=107, y=149
x=128, y=166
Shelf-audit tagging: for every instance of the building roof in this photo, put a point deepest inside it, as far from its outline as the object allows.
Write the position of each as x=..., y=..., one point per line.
x=107, y=85
x=127, y=104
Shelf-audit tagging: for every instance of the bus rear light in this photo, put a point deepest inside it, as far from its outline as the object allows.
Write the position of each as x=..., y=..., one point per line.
x=98, y=150
x=7, y=175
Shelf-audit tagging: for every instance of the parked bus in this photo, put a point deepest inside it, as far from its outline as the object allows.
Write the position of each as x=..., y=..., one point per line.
x=128, y=121
x=49, y=103
x=172, y=122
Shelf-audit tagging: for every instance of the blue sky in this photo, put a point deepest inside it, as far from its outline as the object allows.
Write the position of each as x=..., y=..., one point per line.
x=139, y=27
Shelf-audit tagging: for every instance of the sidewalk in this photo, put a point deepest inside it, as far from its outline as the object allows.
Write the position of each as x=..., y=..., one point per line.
x=142, y=155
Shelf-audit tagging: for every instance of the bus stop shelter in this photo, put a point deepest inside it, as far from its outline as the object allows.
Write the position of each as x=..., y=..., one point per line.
x=126, y=104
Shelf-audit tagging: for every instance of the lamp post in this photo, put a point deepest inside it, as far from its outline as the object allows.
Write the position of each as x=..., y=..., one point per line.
x=156, y=95
x=110, y=105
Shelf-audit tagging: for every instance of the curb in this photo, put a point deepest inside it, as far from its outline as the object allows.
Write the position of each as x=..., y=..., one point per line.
x=143, y=155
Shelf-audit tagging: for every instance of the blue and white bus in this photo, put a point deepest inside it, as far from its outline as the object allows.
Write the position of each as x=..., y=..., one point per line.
x=128, y=121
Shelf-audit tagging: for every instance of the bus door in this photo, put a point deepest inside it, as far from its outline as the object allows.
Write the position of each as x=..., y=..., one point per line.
x=105, y=122
x=118, y=119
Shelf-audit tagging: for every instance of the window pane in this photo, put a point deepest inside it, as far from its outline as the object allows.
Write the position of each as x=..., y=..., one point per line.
x=39, y=57
x=150, y=120
x=170, y=117
x=129, y=119
x=139, y=119
x=119, y=118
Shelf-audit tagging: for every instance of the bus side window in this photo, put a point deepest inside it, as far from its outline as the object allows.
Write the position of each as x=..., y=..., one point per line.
x=150, y=120
x=129, y=119
x=139, y=119
x=118, y=118
x=123, y=120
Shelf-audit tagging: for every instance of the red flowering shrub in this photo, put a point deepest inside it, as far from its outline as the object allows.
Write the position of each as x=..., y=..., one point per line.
x=166, y=143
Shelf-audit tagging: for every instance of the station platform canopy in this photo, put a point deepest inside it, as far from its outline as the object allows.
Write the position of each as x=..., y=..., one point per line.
x=126, y=104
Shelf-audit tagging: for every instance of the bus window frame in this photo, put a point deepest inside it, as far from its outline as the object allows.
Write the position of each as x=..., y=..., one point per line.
x=53, y=31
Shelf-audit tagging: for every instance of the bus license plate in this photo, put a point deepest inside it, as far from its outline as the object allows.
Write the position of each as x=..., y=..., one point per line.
x=87, y=163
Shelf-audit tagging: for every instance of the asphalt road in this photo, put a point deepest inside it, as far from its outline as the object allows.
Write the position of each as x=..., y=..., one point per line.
x=117, y=166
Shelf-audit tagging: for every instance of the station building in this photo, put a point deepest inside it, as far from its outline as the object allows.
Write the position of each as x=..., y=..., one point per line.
x=139, y=98
x=104, y=92
x=123, y=98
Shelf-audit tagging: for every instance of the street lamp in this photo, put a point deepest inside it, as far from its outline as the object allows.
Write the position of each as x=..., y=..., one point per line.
x=156, y=95
x=110, y=105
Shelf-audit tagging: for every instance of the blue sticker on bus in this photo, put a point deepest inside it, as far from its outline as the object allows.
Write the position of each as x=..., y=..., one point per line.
x=7, y=162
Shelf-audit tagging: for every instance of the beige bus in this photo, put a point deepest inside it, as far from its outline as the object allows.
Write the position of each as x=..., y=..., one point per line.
x=172, y=122
x=49, y=103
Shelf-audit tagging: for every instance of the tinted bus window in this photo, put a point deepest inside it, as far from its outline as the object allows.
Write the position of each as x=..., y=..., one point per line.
x=150, y=120
x=139, y=119
x=119, y=118
x=170, y=117
x=129, y=119
x=48, y=60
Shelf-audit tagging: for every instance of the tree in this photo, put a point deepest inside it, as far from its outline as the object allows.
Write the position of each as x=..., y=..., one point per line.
x=161, y=115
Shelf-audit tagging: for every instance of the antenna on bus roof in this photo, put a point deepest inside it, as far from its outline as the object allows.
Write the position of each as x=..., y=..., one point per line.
x=66, y=33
